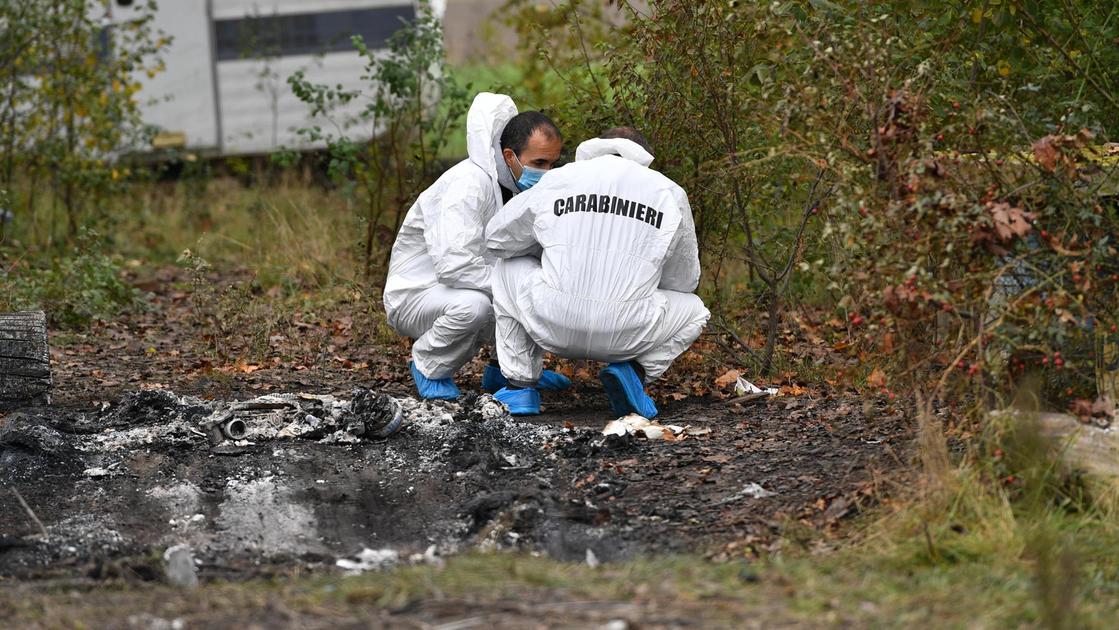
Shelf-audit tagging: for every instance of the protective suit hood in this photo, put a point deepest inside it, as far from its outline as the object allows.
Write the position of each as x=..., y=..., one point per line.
x=439, y=261
x=628, y=149
x=488, y=115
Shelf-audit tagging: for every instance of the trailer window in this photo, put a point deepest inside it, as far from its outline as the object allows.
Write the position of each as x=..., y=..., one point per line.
x=306, y=33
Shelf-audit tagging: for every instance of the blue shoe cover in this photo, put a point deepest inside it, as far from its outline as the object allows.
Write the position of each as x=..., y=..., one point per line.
x=553, y=381
x=433, y=388
x=521, y=402
x=493, y=379
x=626, y=391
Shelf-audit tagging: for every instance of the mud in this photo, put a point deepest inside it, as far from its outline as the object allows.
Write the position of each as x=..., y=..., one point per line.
x=310, y=484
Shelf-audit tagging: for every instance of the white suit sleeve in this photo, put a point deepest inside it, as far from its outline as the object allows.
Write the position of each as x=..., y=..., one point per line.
x=510, y=232
x=456, y=240
x=681, y=268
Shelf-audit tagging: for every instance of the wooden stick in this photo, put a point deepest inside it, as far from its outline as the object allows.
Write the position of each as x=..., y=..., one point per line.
x=31, y=513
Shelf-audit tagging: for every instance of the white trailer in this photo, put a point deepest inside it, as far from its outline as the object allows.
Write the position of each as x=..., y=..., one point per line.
x=225, y=92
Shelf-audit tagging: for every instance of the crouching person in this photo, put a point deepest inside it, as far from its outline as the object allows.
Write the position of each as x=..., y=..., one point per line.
x=598, y=261
x=438, y=286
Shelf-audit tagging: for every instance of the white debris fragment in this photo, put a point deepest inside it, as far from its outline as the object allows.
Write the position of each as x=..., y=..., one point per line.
x=96, y=472
x=640, y=425
x=144, y=621
x=178, y=565
x=427, y=557
x=756, y=491
x=369, y=560
x=592, y=559
x=743, y=387
x=751, y=490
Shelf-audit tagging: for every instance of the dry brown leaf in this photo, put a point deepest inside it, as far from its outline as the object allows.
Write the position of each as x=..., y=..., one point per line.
x=730, y=377
x=1010, y=222
x=1047, y=153
x=877, y=378
x=792, y=390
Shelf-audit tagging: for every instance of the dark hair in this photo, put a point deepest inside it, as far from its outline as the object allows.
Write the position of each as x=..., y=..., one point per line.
x=521, y=127
x=627, y=133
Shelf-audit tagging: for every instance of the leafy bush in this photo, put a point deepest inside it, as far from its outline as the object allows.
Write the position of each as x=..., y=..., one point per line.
x=412, y=102
x=926, y=171
x=74, y=289
x=69, y=105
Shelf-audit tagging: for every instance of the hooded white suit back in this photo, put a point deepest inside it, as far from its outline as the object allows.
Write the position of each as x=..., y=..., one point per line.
x=440, y=248
x=615, y=240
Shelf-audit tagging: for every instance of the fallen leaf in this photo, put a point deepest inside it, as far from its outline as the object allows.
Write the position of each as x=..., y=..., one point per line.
x=877, y=378
x=729, y=377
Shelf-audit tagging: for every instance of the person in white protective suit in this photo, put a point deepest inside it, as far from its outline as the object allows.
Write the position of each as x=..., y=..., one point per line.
x=598, y=261
x=438, y=286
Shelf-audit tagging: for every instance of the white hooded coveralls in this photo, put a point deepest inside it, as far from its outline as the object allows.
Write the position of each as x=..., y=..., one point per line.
x=438, y=285
x=599, y=261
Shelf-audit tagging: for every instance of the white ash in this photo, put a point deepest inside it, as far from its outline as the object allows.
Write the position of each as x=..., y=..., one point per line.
x=327, y=419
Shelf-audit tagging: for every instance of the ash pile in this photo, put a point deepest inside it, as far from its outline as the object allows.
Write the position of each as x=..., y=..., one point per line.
x=279, y=479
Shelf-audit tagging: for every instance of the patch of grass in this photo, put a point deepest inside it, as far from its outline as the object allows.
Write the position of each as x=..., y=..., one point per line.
x=866, y=585
x=293, y=234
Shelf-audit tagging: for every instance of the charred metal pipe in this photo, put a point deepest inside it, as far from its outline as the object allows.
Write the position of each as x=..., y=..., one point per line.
x=234, y=429
x=227, y=427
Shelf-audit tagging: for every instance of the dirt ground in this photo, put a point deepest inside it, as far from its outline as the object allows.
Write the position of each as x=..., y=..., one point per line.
x=114, y=474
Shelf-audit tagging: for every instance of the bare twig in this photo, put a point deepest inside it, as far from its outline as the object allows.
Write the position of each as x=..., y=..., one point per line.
x=31, y=513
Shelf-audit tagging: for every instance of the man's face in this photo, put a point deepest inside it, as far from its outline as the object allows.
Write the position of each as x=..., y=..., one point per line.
x=542, y=151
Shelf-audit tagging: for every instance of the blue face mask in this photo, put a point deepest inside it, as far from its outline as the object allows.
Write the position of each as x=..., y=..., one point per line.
x=529, y=175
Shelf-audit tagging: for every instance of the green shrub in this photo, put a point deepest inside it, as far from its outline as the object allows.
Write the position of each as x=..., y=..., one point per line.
x=918, y=169
x=74, y=288
x=69, y=107
x=413, y=102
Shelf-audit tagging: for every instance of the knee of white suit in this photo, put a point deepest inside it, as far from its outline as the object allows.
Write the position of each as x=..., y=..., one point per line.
x=469, y=315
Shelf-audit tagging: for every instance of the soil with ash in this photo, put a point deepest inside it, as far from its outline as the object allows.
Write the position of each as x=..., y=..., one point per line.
x=140, y=476
x=122, y=466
